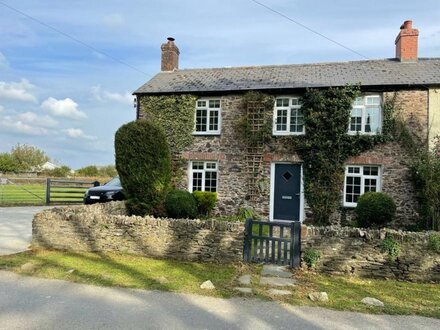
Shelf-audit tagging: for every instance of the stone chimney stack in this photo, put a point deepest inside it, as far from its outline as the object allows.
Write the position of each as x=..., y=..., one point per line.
x=170, y=56
x=407, y=42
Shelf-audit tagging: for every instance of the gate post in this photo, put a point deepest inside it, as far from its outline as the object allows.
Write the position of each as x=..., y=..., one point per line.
x=247, y=240
x=295, y=244
x=48, y=191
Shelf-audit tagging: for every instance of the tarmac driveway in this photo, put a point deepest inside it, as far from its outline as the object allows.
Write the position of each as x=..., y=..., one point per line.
x=16, y=228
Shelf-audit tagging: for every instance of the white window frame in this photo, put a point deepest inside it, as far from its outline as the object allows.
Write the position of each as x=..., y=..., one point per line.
x=205, y=169
x=361, y=175
x=363, y=109
x=289, y=109
x=208, y=113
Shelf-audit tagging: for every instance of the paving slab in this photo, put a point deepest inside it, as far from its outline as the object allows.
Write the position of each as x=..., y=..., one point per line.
x=276, y=292
x=277, y=281
x=243, y=290
x=276, y=271
x=245, y=279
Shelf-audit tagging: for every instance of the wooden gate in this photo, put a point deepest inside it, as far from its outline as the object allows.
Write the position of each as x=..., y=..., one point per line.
x=67, y=191
x=273, y=242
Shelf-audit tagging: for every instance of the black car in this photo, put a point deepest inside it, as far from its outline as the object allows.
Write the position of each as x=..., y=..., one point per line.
x=111, y=191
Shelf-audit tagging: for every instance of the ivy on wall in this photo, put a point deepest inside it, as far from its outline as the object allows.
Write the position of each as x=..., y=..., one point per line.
x=326, y=146
x=175, y=113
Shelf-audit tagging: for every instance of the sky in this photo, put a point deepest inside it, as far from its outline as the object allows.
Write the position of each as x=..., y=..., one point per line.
x=68, y=97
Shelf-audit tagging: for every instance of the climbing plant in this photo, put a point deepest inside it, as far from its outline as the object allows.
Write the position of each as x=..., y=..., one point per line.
x=175, y=114
x=326, y=146
x=255, y=127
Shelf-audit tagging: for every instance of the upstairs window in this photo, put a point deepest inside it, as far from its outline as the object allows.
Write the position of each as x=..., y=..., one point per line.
x=207, y=117
x=359, y=180
x=203, y=176
x=366, y=115
x=288, y=116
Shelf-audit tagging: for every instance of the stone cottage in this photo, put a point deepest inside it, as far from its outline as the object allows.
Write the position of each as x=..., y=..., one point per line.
x=218, y=160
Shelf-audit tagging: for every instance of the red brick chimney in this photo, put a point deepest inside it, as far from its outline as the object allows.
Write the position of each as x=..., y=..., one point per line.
x=170, y=56
x=407, y=42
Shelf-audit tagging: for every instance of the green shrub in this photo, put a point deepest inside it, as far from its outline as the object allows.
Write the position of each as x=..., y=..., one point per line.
x=181, y=204
x=205, y=201
x=434, y=242
x=392, y=247
x=311, y=257
x=143, y=162
x=375, y=209
x=90, y=170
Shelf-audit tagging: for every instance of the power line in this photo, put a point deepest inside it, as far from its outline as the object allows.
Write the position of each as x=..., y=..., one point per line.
x=309, y=29
x=74, y=39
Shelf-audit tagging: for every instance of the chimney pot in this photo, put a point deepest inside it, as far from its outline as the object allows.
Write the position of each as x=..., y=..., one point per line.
x=407, y=42
x=407, y=25
x=170, y=55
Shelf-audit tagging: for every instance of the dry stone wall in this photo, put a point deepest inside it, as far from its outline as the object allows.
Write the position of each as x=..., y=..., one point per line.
x=344, y=250
x=358, y=252
x=107, y=228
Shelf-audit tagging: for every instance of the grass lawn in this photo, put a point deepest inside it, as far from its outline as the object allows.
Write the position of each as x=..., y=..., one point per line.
x=146, y=273
x=31, y=194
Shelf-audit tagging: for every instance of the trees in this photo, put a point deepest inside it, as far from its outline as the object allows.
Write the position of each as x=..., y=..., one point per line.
x=22, y=158
x=28, y=158
x=7, y=163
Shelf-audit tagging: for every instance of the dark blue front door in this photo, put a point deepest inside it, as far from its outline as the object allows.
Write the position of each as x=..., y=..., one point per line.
x=286, y=201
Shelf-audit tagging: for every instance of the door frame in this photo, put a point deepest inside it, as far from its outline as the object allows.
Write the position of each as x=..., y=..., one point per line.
x=272, y=191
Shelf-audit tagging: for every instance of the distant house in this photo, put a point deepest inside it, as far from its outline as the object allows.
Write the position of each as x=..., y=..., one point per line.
x=218, y=162
x=49, y=166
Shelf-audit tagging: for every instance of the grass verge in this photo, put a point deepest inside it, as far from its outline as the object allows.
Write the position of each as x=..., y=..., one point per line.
x=146, y=273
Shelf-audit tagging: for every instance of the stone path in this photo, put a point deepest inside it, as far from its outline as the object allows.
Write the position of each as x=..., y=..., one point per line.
x=271, y=276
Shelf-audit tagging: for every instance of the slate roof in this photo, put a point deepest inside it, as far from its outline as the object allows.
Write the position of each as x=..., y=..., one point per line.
x=426, y=71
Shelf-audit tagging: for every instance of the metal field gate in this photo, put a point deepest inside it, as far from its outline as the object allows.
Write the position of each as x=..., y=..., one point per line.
x=273, y=242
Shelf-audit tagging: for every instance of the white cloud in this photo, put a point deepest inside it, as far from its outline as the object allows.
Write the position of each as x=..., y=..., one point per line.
x=63, y=108
x=28, y=123
x=114, y=20
x=4, y=64
x=11, y=124
x=36, y=120
x=19, y=91
x=77, y=133
x=103, y=95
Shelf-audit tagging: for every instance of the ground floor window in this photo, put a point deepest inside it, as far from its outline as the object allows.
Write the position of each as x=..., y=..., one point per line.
x=359, y=180
x=203, y=176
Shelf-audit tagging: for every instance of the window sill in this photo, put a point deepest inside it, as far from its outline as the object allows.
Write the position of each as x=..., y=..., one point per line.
x=206, y=133
x=287, y=133
x=350, y=205
x=362, y=133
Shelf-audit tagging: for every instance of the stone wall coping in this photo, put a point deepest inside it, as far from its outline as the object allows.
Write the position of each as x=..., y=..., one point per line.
x=367, y=233
x=114, y=212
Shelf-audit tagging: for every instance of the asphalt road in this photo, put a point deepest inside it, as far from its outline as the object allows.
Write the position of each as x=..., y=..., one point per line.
x=32, y=303
x=16, y=228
